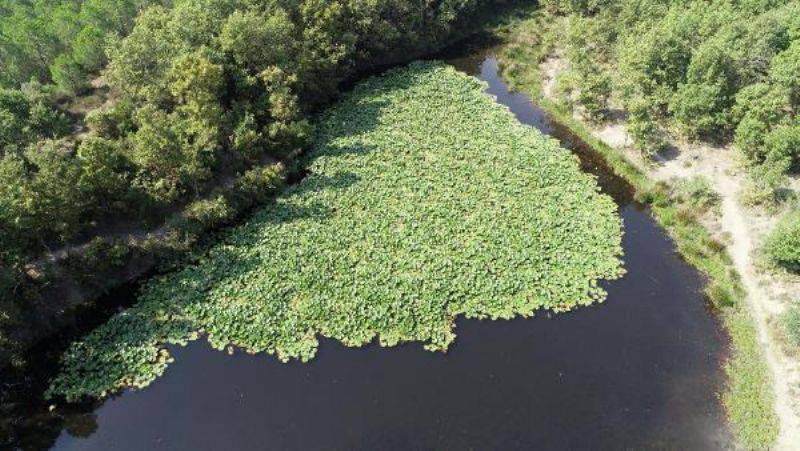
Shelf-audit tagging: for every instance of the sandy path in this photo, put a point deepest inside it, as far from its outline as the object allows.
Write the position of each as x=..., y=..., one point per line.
x=743, y=229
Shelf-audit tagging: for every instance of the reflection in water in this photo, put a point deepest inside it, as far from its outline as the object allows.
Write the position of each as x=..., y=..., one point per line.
x=641, y=370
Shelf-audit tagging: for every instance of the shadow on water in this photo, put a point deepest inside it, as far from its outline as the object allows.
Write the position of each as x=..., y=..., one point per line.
x=25, y=420
x=642, y=370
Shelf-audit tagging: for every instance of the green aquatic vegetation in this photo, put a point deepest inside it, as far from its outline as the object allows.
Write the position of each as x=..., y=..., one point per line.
x=425, y=200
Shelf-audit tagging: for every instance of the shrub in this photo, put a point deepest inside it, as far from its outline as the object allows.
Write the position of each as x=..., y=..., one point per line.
x=766, y=186
x=94, y=261
x=55, y=183
x=644, y=132
x=258, y=184
x=103, y=255
x=720, y=294
x=697, y=193
x=114, y=122
x=210, y=213
x=593, y=93
x=782, y=246
x=68, y=74
x=105, y=173
x=702, y=104
x=695, y=107
x=782, y=146
x=391, y=235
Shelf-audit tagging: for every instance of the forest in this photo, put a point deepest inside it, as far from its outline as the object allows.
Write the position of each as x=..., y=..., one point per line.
x=722, y=74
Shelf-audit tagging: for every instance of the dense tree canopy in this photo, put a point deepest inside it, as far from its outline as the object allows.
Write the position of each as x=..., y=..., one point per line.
x=725, y=71
x=60, y=40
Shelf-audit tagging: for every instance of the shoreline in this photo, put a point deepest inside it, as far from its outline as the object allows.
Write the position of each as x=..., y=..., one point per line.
x=759, y=398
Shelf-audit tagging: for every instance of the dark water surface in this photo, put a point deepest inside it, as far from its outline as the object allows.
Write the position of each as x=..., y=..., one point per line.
x=641, y=370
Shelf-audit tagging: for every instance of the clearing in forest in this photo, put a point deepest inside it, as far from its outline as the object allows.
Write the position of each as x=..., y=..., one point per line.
x=425, y=200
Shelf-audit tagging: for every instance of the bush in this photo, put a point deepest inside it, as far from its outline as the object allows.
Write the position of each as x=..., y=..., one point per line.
x=697, y=193
x=702, y=104
x=644, y=132
x=766, y=186
x=55, y=186
x=114, y=122
x=27, y=116
x=782, y=146
x=694, y=107
x=92, y=263
x=791, y=324
x=720, y=295
x=105, y=174
x=253, y=187
x=782, y=246
x=258, y=184
x=68, y=74
x=593, y=93
x=210, y=213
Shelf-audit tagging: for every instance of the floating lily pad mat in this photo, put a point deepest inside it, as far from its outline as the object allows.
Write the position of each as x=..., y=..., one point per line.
x=425, y=200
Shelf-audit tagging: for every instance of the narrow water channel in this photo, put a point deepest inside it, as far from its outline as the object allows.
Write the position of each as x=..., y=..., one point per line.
x=642, y=370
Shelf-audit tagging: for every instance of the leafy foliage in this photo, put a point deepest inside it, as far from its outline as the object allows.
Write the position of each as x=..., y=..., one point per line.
x=425, y=201
x=782, y=246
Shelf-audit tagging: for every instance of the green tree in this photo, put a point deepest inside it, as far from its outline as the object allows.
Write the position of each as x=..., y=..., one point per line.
x=782, y=245
x=68, y=74
x=139, y=64
x=785, y=71
x=16, y=221
x=257, y=40
x=782, y=146
x=88, y=50
x=702, y=104
x=14, y=111
x=158, y=155
x=105, y=174
x=54, y=182
x=759, y=108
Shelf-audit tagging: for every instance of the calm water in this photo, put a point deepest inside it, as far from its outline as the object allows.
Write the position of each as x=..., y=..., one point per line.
x=641, y=370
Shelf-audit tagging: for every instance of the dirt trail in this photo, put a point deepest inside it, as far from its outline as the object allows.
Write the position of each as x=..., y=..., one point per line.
x=743, y=229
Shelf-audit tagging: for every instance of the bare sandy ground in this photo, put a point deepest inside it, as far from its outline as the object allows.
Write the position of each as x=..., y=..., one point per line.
x=742, y=229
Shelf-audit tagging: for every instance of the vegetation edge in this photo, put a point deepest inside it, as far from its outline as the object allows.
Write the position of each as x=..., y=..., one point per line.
x=748, y=398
